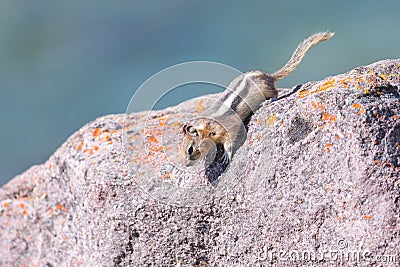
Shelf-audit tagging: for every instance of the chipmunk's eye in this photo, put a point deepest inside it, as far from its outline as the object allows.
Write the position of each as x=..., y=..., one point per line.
x=213, y=134
x=191, y=130
x=190, y=150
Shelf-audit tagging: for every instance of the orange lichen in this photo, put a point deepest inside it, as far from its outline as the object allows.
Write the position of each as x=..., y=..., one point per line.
x=25, y=212
x=79, y=147
x=96, y=148
x=318, y=105
x=326, y=85
x=50, y=210
x=60, y=207
x=21, y=205
x=163, y=121
x=96, y=132
x=330, y=118
x=327, y=149
x=367, y=217
x=361, y=111
x=395, y=117
x=396, y=144
x=356, y=105
x=304, y=93
x=5, y=205
x=153, y=139
x=156, y=148
x=166, y=175
x=337, y=137
x=313, y=104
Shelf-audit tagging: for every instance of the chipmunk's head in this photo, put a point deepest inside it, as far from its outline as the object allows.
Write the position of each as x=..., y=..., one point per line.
x=201, y=136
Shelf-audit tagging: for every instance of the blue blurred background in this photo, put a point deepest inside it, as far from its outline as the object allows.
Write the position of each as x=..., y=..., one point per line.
x=64, y=63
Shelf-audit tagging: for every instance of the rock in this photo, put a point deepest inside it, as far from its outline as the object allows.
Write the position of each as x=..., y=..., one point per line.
x=319, y=173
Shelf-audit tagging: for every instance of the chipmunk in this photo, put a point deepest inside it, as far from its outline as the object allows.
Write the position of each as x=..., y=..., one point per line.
x=223, y=126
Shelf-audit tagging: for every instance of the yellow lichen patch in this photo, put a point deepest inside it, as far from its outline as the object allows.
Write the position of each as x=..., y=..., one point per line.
x=326, y=85
x=344, y=82
x=199, y=106
x=260, y=121
x=304, y=93
x=318, y=105
x=271, y=119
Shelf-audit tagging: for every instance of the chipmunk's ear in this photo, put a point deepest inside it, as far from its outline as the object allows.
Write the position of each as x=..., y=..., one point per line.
x=190, y=130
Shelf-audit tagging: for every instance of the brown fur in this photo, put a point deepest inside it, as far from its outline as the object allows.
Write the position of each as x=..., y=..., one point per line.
x=242, y=97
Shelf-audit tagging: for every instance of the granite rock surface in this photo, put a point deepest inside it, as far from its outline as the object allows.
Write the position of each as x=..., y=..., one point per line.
x=317, y=176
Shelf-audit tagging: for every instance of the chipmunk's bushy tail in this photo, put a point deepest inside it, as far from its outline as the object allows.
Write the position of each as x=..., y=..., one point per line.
x=298, y=55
